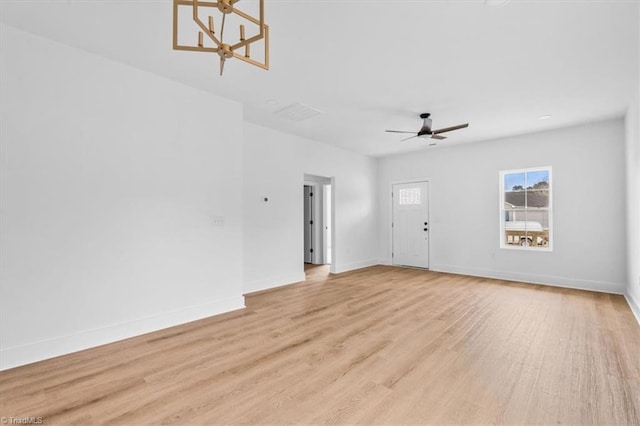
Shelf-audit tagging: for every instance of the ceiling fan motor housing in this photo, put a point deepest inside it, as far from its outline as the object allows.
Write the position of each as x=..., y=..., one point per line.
x=426, y=125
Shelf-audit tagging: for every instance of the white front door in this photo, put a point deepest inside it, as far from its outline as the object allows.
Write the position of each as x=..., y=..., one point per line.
x=410, y=224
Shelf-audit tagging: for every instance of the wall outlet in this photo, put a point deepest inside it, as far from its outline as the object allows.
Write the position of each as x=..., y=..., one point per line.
x=218, y=221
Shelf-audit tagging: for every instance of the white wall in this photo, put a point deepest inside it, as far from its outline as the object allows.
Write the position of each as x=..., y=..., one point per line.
x=633, y=206
x=111, y=178
x=589, y=246
x=633, y=197
x=274, y=166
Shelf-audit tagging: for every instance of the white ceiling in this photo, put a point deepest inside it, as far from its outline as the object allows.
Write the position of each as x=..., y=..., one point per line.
x=372, y=65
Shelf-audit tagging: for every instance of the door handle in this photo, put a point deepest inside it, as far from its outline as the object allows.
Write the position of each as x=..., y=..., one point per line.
x=425, y=229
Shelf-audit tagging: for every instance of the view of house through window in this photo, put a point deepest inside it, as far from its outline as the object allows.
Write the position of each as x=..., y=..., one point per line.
x=525, y=208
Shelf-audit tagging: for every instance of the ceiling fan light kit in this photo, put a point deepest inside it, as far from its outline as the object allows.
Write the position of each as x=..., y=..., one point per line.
x=426, y=131
x=203, y=14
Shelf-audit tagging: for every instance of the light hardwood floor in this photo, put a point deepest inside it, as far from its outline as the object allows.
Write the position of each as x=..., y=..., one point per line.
x=378, y=345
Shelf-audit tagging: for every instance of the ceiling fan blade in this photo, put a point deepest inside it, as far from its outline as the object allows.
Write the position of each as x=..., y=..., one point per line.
x=397, y=131
x=448, y=129
x=406, y=139
x=438, y=137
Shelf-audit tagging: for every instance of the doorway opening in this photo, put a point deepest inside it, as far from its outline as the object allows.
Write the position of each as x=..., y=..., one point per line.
x=318, y=221
x=316, y=273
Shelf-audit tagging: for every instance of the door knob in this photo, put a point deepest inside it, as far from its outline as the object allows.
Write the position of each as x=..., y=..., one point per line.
x=425, y=224
x=425, y=229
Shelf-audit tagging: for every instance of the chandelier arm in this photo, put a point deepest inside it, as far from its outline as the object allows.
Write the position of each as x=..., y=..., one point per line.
x=211, y=36
x=204, y=28
x=243, y=58
x=260, y=22
x=247, y=41
x=264, y=65
x=197, y=49
x=201, y=3
x=224, y=17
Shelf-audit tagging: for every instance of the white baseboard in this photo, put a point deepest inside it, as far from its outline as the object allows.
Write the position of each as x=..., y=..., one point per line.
x=272, y=282
x=634, y=305
x=283, y=280
x=599, y=286
x=38, y=351
x=555, y=281
x=340, y=268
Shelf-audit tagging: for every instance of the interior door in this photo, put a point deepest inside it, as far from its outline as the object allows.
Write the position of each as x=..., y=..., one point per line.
x=410, y=224
x=308, y=223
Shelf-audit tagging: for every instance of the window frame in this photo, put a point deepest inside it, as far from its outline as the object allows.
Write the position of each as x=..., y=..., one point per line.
x=412, y=199
x=503, y=210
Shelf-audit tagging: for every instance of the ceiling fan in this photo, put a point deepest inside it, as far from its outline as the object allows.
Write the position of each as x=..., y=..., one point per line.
x=426, y=131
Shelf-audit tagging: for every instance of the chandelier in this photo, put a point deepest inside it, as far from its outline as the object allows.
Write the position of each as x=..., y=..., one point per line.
x=205, y=18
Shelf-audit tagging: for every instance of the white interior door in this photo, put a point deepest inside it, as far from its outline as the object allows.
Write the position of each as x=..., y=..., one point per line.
x=410, y=224
x=308, y=223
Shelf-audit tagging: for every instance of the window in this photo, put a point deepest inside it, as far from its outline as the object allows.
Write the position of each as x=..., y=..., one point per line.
x=409, y=196
x=525, y=209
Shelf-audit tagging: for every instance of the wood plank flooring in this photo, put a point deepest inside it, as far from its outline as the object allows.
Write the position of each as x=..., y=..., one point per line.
x=381, y=345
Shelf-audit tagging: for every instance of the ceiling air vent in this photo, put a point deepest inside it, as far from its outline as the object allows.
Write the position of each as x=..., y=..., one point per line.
x=297, y=112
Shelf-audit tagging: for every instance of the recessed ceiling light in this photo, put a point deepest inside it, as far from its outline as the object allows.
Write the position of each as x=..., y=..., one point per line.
x=495, y=3
x=544, y=117
x=271, y=102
